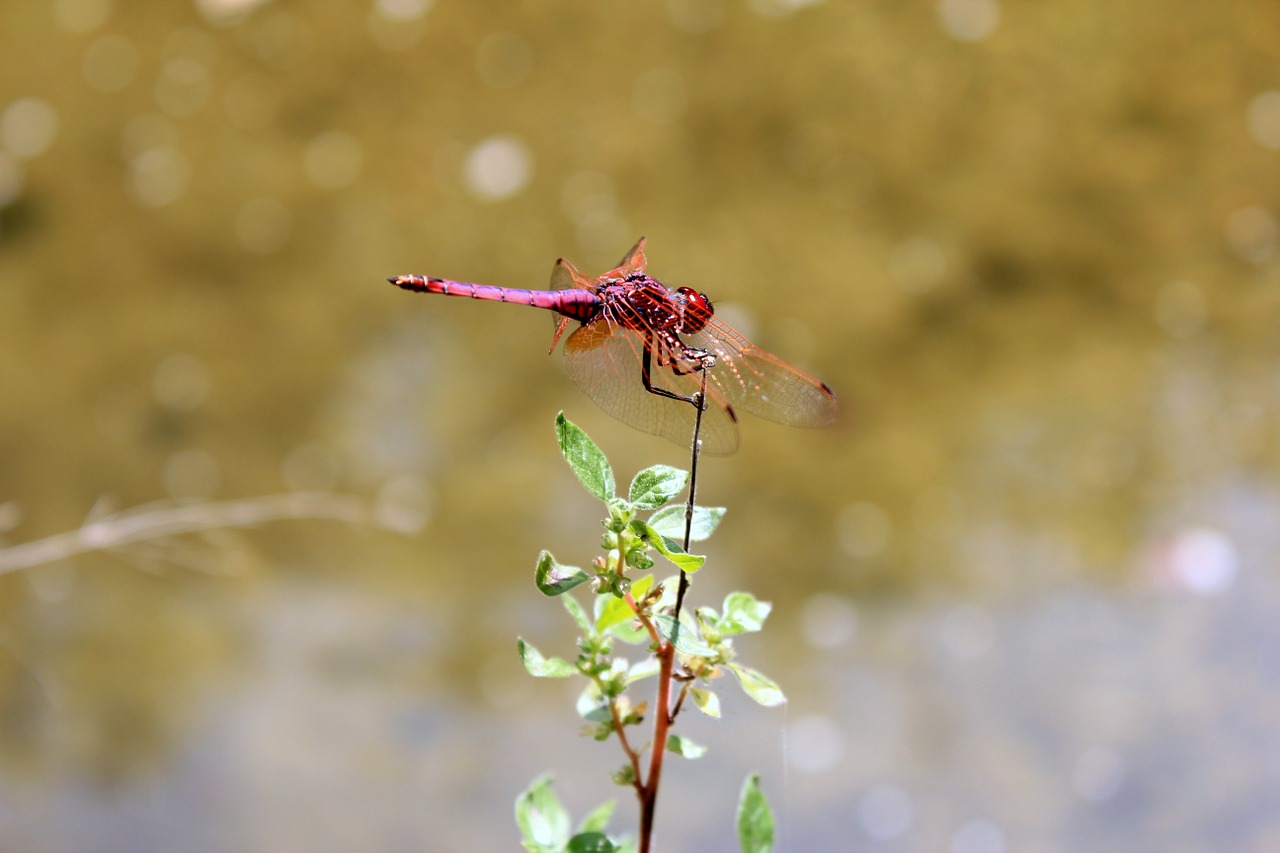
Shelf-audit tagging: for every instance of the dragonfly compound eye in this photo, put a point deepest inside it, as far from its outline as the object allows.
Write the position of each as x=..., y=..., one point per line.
x=697, y=309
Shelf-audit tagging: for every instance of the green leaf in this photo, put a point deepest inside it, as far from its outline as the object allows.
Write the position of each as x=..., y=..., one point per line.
x=669, y=521
x=755, y=818
x=743, y=613
x=680, y=635
x=543, y=821
x=640, y=588
x=611, y=611
x=579, y=615
x=668, y=548
x=553, y=578
x=598, y=819
x=757, y=686
x=587, y=461
x=654, y=486
x=707, y=702
x=685, y=747
x=615, y=617
x=591, y=842
x=542, y=667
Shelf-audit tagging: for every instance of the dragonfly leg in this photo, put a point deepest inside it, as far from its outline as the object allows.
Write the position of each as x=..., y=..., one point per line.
x=646, y=374
x=698, y=360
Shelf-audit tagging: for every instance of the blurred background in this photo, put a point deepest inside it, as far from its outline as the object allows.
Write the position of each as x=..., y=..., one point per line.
x=1026, y=591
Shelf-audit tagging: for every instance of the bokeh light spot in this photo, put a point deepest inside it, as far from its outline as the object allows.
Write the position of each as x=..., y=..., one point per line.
x=28, y=127
x=402, y=10
x=1201, y=559
x=226, y=12
x=1263, y=119
x=158, y=176
x=498, y=167
x=183, y=87
x=969, y=20
x=1252, y=232
x=81, y=16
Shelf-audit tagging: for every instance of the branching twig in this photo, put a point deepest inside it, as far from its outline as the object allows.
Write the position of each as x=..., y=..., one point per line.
x=147, y=523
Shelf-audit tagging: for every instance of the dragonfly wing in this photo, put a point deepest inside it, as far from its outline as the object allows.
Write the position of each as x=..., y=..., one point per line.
x=604, y=360
x=565, y=276
x=759, y=382
x=634, y=261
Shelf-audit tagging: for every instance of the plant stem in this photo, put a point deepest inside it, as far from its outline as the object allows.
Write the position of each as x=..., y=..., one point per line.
x=661, y=730
x=664, y=714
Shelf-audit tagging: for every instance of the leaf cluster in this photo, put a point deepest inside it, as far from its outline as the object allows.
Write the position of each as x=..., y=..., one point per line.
x=631, y=608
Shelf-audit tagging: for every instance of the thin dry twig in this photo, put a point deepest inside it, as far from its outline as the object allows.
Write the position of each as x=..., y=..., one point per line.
x=150, y=522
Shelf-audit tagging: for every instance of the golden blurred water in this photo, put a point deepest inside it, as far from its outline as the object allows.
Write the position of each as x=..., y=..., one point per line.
x=1032, y=247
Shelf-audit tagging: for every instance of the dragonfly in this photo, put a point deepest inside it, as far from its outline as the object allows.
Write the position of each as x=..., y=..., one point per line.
x=643, y=352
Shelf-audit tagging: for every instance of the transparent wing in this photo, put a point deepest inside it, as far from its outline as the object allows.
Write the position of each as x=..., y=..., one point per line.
x=759, y=382
x=604, y=360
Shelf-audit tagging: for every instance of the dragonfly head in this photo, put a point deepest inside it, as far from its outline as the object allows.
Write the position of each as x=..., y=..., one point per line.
x=696, y=310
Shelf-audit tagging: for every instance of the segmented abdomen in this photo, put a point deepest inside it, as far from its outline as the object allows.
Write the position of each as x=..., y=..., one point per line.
x=578, y=304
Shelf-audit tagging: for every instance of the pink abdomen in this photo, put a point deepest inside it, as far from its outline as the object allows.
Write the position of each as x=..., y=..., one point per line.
x=578, y=304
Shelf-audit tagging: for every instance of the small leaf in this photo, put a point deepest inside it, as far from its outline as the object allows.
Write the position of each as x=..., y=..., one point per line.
x=591, y=842
x=598, y=819
x=553, y=578
x=587, y=461
x=755, y=818
x=668, y=548
x=543, y=822
x=707, y=702
x=757, y=686
x=680, y=635
x=685, y=747
x=669, y=521
x=542, y=667
x=743, y=613
x=579, y=615
x=654, y=486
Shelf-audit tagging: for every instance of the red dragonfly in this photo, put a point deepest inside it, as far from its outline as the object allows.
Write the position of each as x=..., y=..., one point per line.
x=631, y=324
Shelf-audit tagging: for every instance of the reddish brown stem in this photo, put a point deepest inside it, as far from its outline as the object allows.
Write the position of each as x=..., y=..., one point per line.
x=661, y=731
